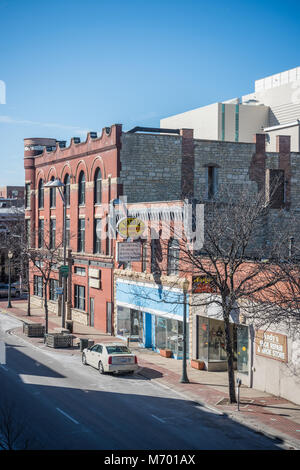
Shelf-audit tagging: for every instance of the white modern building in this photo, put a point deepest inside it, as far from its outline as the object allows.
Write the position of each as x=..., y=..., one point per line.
x=273, y=108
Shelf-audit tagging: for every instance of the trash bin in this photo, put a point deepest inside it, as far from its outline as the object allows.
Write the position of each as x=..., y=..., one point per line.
x=69, y=325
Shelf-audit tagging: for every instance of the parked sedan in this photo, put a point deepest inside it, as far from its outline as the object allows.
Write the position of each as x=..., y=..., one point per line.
x=110, y=357
x=4, y=290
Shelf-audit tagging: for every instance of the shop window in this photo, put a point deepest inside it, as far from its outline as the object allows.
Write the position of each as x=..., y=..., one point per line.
x=242, y=349
x=211, y=341
x=216, y=341
x=129, y=322
x=169, y=335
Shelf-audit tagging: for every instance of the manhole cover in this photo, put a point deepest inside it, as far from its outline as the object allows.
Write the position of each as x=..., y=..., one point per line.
x=226, y=401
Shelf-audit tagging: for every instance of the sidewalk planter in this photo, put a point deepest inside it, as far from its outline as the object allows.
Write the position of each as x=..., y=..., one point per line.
x=36, y=330
x=58, y=340
x=196, y=364
x=165, y=352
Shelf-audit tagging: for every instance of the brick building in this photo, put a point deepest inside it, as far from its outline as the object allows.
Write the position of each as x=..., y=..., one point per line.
x=12, y=196
x=144, y=166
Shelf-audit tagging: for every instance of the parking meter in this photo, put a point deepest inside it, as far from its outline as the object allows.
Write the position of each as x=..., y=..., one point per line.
x=238, y=383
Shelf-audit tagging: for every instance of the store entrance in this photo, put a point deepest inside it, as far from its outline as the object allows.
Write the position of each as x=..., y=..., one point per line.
x=211, y=345
x=130, y=323
x=136, y=325
x=169, y=335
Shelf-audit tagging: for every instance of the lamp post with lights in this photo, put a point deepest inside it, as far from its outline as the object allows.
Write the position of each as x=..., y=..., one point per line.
x=58, y=184
x=184, y=378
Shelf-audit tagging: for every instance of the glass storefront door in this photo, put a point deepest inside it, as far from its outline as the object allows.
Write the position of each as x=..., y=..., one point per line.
x=216, y=341
x=211, y=345
x=169, y=335
x=136, y=319
x=242, y=349
x=130, y=322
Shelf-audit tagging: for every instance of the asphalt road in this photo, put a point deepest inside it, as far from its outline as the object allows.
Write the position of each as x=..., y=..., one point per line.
x=59, y=403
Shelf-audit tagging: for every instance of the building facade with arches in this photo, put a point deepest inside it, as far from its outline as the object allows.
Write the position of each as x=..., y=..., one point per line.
x=145, y=165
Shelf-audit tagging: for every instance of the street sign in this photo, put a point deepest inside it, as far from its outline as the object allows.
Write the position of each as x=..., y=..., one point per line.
x=59, y=290
x=64, y=270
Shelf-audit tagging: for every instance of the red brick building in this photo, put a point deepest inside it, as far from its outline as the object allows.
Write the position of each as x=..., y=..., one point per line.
x=13, y=192
x=78, y=166
x=145, y=165
x=95, y=173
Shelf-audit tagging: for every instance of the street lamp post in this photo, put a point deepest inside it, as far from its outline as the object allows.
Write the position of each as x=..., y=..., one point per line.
x=58, y=184
x=10, y=255
x=184, y=378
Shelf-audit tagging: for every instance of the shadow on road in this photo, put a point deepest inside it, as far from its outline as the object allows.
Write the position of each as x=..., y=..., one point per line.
x=69, y=417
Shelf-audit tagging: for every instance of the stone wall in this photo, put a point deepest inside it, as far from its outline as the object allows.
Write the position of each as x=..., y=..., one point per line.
x=151, y=167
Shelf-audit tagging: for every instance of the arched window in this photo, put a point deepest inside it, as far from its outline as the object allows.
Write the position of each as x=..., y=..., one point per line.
x=41, y=194
x=173, y=256
x=52, y=195
x=81, y=189
x=67, y=189
x=97, y=187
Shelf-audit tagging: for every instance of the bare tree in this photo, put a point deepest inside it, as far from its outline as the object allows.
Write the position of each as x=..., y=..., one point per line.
x=13, y=428
x=241, y=258
x=45, y=260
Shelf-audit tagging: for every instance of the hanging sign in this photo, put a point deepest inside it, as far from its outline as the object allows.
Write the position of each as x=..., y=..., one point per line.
x=129, y=251
x=203, y=284
x=131, y=227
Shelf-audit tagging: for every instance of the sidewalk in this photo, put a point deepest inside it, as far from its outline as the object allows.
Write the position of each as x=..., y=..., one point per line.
x=261, y=411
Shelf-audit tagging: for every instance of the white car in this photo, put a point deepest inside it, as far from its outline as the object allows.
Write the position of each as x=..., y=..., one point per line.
x=110, y=357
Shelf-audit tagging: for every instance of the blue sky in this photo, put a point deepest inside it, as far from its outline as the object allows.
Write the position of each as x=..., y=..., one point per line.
x=77, y=65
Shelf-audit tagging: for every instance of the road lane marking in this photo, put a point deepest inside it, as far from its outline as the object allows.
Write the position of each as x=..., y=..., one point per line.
x=159, y=419
x=2, y=352
x=68, y=416
x=3, y=367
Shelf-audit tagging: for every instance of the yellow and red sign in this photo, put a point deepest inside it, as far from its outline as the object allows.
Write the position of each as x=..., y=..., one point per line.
x=203, y=284
x=131, y=227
